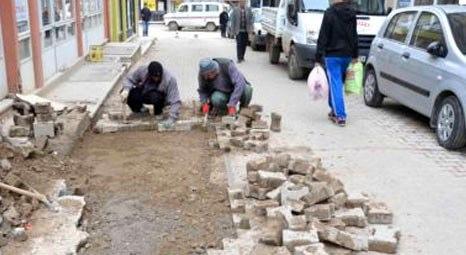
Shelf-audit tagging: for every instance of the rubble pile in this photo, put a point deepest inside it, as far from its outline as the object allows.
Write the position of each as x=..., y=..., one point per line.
x=248, y=131
x=308, y=211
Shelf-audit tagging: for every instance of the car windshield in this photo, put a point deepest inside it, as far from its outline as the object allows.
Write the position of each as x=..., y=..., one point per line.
x=315, y=5
x=370, y=7
x=458, y=28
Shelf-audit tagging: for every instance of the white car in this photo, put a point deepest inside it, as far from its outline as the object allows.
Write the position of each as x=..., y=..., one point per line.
x=195, y=14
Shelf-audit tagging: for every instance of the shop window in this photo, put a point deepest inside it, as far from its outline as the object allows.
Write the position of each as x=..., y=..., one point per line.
x=25, y=48
x=71, y=30
x=46, y=10
x=48, y=38
x=58, y=11
x=60, y=33
x=22, y=16
x=69, y=9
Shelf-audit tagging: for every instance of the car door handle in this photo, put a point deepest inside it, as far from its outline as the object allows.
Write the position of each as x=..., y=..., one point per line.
x=380, y=45
x=406, y=55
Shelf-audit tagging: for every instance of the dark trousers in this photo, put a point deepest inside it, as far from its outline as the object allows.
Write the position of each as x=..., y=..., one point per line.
x=241, y=44
x=137, y=98
x=145, y=28
x=223, y=30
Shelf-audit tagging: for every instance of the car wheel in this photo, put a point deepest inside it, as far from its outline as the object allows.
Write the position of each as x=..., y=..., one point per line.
x=295, y=72
x=274, y=52
x=372, y=95
x=173, y=26
x=451, y=130
x=211, y=27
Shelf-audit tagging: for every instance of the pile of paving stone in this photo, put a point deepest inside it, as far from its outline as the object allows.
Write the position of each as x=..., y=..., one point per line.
x=248, y=130
x=307, y=210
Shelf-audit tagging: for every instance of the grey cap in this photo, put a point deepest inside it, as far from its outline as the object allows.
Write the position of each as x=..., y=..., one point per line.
x=207, y=65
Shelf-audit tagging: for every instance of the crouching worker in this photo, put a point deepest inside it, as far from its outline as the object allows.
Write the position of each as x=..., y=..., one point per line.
x=152, y=85
x=222, y=86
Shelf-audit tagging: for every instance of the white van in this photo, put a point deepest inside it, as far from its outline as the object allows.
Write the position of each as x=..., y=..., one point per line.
x=195, y=14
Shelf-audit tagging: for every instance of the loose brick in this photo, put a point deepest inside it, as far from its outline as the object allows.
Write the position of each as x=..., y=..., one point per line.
x=378, y=213
x=320, y=211
x=384, y=239
x=247, y=112
x=253, y=177
x=19, y=131
x=298, y=179
x=260, y=207
x=239, y=132
x=257, y=164
x=311, y=249
x=237, y=142
x=283, y=160
x=261, y=124
x=275, y=194
x=23, y=120
x=44, y=129
x=319, y=192
x=352, y=217
x=241, y=221
x=339, y=200
x=324, y=176
x=257, y=192
x=344, y=239
x=272, y=233
x=356, y=200
x=256, y=108
x=292, y=239
x=271, y=180
x=291, y=192
x=238, y=206
x=301, y=166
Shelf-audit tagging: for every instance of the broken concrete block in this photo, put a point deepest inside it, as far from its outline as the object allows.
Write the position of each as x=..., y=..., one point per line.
x=344, y=239
x=352, y=217
x=324, y=176
x=234, y=194
x=292, y=238
x=384, y=239
x=238, y=206
x=301, y=166
x=241, y=221
x=311, y=249
x=275, y=194
x=257, y=164
x=23, y=120
x=272, y=233
x=261, y=124
x=19, y=234
x=356, y=200
x=43, y=108
x=319, y=192
x=44, y=129
x=339, y=200
x=257, y=192
x=271, y=180
x=19, y=131
x=320, y=211
x=260, y=207
x=378, y=213
x=276, y=125
x=282, y=159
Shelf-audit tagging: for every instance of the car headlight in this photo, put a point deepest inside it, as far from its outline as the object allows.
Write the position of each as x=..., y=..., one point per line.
x=311, y=37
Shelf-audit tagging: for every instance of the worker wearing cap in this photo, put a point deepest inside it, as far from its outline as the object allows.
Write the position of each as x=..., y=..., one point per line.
x=152, y=85
x=222, y=86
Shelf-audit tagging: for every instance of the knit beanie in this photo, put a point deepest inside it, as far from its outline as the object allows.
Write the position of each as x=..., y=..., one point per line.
x=207, y=65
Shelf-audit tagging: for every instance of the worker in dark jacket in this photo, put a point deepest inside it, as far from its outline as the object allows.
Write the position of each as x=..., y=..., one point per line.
x=151, y=84
x=146, y=15
x=242, y=24
x=223, y=22
x=337, y=46
x=222, y=86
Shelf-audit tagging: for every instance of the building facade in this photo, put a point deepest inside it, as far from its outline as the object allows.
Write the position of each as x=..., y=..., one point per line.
x=124, y=17
x=41, y=38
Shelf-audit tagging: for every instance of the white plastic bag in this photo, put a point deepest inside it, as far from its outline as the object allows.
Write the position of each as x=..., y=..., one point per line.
x=317, y=83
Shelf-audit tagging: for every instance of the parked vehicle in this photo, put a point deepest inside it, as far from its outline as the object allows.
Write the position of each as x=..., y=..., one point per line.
x=257, y=38
x=418, y=58
x=293, y=28
x=196, y=15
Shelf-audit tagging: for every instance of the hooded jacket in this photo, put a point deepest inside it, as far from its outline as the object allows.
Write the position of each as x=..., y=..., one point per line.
x=338, y=35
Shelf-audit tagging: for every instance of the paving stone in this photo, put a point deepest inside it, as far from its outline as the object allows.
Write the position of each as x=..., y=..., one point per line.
x=44, y=129
x=271, y=180
x=296, y=222
x=19, y=131
x=336, y=223
x=275, y=194
x=239, y=132
x=234, y=194
x=324, y=176
x=228, y=121
x=278, y=212
x=257, y=164
x=23, y=120
x=256, y=108
x=276, y=120
x=242, y=122
x=46, y=117
x=273, y=167
x=298, y=179
x=297, y=206
x=253, y=177
x=272, y=233
x=257, y=192
x=352, y=217
x=43, y=108
x=247, y=112
x=311, y=249
x=282, y=159
x=320, y=211
x=356, y=200
x=339, y=200
x=261, y=124
x=5, y=165
x=378, y=213
x=238, y=206
x=292, y=192
x=301, y=166
x=319, y=192
x=237, y=142
x=384, y=239
x=344, y=239
x=180, y=126
x=260, y=207
x=292, y=238
x=241, y=221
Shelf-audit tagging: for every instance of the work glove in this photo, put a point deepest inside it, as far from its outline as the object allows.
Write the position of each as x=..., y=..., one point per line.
x=232, y=111
x=205, y=108
x=168, y=123
x=124, y=95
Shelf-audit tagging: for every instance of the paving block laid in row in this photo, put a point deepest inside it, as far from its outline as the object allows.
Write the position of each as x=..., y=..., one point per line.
x=292, y=239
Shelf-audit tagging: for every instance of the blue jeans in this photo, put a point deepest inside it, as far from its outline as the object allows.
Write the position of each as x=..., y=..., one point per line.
x=145, y=28
x=336, y=69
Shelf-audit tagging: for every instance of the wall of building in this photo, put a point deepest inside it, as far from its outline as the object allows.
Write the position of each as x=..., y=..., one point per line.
x=124, y=18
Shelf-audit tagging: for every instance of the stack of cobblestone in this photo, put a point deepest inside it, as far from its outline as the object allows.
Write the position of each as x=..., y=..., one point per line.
x=306, y=208
x=248, y=131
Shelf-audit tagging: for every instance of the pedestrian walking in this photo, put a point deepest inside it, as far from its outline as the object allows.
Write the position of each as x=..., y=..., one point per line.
x=223, y=22
x=241, y=25
x=337, y=46
x=151, y=84
x=222, y=86
x=146, y=15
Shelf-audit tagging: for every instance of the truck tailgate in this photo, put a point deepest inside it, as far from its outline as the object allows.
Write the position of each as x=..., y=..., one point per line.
x=270, y=21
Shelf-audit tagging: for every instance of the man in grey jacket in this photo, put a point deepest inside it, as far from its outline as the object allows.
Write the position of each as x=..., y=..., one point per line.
x=242, y=23
x=151, y=84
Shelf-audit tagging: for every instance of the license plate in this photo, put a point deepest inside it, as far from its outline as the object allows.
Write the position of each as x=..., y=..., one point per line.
x=362, y=59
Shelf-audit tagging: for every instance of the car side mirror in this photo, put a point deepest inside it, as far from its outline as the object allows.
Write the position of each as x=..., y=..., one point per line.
x=437, y=49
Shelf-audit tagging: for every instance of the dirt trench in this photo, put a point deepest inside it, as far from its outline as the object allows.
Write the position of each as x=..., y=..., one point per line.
x=153, y=193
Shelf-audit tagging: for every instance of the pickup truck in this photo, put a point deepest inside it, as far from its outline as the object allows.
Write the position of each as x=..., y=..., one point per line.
x=293, y=28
